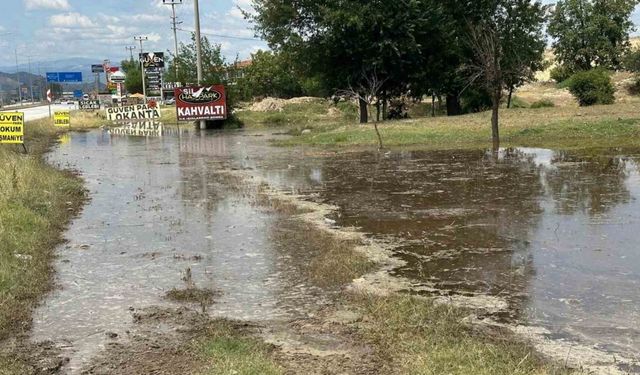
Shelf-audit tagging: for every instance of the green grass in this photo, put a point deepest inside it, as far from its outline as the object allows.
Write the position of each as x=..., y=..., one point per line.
x=228, y=351
x=37, y=202
x=414, y=336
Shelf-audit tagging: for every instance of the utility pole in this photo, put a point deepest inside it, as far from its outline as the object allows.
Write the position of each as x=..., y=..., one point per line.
x=174, y=26
x=130, y=49
x=144, y=85
x=30, y=79
x=18, y=79
x=196, y=8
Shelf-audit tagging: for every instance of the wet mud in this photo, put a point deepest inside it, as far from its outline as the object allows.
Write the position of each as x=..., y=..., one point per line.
x=540, y=241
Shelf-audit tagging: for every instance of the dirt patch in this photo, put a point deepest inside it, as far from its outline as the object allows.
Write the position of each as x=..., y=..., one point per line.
x=277, y=105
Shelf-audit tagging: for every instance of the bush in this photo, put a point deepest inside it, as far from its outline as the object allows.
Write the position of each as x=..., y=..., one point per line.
x=631, y=60
x=516, y=102
x=543, y=103
x=592, y=87
x=634, y=88
x=560, y=74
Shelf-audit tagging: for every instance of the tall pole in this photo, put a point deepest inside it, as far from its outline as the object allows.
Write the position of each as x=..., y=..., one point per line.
x=144, y=85
x=174, y=26
x=18, y=79
x=130, y=49
x=30, y=79
x=196, y=8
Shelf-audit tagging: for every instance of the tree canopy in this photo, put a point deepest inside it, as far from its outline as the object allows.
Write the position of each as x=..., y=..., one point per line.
x=591, y=33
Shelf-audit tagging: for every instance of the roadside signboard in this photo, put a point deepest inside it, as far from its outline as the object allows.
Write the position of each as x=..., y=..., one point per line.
x=62, y=77
x=133, y=112
x=62, y=118
x=201, y=103
x=89, y=104
x=12, y=127
x=97, y=68
x=77, y=93
x=152, y=59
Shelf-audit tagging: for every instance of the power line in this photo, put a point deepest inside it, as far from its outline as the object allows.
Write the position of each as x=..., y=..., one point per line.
x=223, y=36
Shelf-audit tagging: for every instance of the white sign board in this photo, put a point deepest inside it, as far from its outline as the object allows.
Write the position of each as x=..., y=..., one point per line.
x=133, y=112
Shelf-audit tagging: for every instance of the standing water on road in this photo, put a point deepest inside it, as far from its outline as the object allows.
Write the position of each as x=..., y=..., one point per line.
x=553, y=233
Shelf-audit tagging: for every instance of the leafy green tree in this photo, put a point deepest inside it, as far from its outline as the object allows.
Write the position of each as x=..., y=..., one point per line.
x=271, y=74
x=214, y=65
x=591, y=33
x=133, y=82
x=347, y=43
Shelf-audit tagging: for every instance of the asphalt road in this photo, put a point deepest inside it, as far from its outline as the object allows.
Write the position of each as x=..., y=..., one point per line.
x=35, y=113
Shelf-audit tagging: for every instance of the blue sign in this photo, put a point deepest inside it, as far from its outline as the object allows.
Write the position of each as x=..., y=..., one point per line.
x=77, y=93
x=64, y=76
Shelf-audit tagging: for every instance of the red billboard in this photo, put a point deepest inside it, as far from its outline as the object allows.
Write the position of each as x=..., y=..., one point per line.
x=201, y=103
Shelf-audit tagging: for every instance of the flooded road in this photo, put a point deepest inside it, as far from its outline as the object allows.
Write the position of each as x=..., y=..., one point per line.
x=553, y=233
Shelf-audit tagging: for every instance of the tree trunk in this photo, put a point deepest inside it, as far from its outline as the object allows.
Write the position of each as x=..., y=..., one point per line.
x=433, y=105
x=453, y=105
x=495, y=130
x=378, y=110
x=384, y=105
x=364, y=112
x=509, y=97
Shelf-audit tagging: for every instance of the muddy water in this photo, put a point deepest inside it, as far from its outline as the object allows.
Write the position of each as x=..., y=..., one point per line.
x=157, y=209
x=554, y=233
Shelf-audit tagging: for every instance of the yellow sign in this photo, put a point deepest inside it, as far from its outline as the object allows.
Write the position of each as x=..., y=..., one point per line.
x=61, y=118
x=12, y=127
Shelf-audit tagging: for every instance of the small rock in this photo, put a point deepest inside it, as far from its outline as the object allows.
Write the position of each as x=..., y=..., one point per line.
x=306, y=131
x=112, y=335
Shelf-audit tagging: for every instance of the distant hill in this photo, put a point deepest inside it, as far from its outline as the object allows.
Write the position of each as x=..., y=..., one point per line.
x=9, y=81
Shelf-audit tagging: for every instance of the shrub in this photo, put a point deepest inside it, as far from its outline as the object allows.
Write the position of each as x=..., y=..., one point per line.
x=560, y=73
x=634, y=88
x=543, y=103
x=516, y=102
x=631, y=60
x=592, y=87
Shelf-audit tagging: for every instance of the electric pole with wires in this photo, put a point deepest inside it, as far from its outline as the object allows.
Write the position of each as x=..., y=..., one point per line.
x=174, y=27
x=130, y=49
x=144, y=84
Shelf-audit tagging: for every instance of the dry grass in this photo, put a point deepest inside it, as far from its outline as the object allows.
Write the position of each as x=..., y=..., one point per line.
x=37, y=202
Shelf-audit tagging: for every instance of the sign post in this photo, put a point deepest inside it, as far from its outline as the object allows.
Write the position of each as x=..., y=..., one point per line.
x=201, y=103
x=49, y=99
x=62, y=118
x=12, y=128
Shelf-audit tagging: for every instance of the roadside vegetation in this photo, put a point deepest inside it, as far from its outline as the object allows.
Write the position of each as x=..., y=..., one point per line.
x=37, y=201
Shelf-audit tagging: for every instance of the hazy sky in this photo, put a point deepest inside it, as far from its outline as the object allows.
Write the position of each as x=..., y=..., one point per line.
x=53, y=29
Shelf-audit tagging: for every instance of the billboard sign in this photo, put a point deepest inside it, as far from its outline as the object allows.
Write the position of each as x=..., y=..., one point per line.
x=12, y=127
x=61, y=118
x=201, y=103
x=152, y=60
x=97, y=68
x=89, y=104
x=133, y=112
x=62, y=77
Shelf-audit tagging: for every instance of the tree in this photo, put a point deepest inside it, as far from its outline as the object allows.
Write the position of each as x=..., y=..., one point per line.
x=271, y=74
x=591, y=33
x=133, y=82
x=342, y=42
x=214, y=66
x=506, y=45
